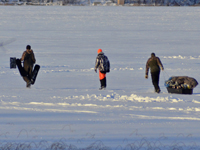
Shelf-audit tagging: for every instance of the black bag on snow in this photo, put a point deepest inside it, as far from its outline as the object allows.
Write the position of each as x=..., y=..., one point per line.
x=104, y=65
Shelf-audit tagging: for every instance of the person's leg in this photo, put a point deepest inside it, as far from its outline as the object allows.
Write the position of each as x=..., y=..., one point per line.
x=27, y=78
x=28, y=82
x=102, y=78
x=103, y=82
x=30, y=71
x=155, y=81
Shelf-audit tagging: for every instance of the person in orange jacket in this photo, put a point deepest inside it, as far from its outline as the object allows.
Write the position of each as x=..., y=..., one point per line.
x=103, y=64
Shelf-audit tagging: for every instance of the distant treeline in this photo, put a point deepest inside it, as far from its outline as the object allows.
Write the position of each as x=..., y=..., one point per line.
x=89, y=2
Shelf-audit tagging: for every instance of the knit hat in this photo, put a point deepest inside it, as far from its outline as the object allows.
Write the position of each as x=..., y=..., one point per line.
x=99, y=51
x=28, y=47
x=153, y=54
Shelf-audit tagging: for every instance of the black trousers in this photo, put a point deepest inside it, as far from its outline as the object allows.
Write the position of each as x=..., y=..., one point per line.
x=155, y=79
x=103, y=82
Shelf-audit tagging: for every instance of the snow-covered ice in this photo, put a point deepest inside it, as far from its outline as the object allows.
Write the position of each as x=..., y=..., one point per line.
x=65, y=108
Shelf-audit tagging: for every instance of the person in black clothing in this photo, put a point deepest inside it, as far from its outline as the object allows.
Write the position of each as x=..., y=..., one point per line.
x=154, y=64
x=28, y=59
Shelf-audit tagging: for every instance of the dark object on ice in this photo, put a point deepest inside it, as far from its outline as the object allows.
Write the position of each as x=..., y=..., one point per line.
x=102, y=63
x=179, y=91
x=12, y=62
x=20, y=68
x=29, y=60
x=181, y=84
x=24, y=73
x=155, y=65
x=35, y=72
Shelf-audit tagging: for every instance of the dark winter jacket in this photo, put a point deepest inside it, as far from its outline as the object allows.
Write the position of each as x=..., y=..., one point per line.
x=29, y=59
x=98, y=65
x=154, y=64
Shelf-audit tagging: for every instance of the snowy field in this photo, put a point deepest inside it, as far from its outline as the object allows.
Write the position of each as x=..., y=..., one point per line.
x=65, y=109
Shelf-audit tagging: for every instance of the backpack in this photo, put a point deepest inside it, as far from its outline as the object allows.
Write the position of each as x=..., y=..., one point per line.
x=104, y=64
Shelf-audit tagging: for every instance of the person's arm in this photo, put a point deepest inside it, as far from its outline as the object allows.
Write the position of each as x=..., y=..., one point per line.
x=160, y=63
x=96, y=64
x=23, y=56
x=33, y=58
x=147, y=69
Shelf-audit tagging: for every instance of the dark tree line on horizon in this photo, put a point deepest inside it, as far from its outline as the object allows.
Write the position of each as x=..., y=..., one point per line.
x=134, y=2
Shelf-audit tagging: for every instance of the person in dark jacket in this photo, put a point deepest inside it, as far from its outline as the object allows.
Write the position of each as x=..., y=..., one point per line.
x=102, y=69
x=154, y=64
x=28, y=59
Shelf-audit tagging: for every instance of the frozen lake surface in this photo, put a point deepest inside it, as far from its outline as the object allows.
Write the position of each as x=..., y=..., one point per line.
x=65, y=108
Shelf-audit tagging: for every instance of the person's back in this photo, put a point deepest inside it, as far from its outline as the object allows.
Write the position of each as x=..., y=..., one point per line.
x=154, y=64
x=102, y=63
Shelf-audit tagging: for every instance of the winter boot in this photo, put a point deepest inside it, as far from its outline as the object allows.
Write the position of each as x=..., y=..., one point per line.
x=158, y=91
x=102, y=88
x=28, y=84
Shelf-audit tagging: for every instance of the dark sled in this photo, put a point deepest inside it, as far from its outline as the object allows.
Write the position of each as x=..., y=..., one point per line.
x=12, y=62
x=35, y=73
x=179, y=91
x=20, y=68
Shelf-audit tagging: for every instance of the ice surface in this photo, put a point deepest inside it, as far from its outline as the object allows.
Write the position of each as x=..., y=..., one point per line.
x=65, y=105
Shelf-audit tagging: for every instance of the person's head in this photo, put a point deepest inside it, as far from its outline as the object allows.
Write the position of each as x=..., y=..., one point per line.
x=153, y=55
x=99, y=51
x=28, y=47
